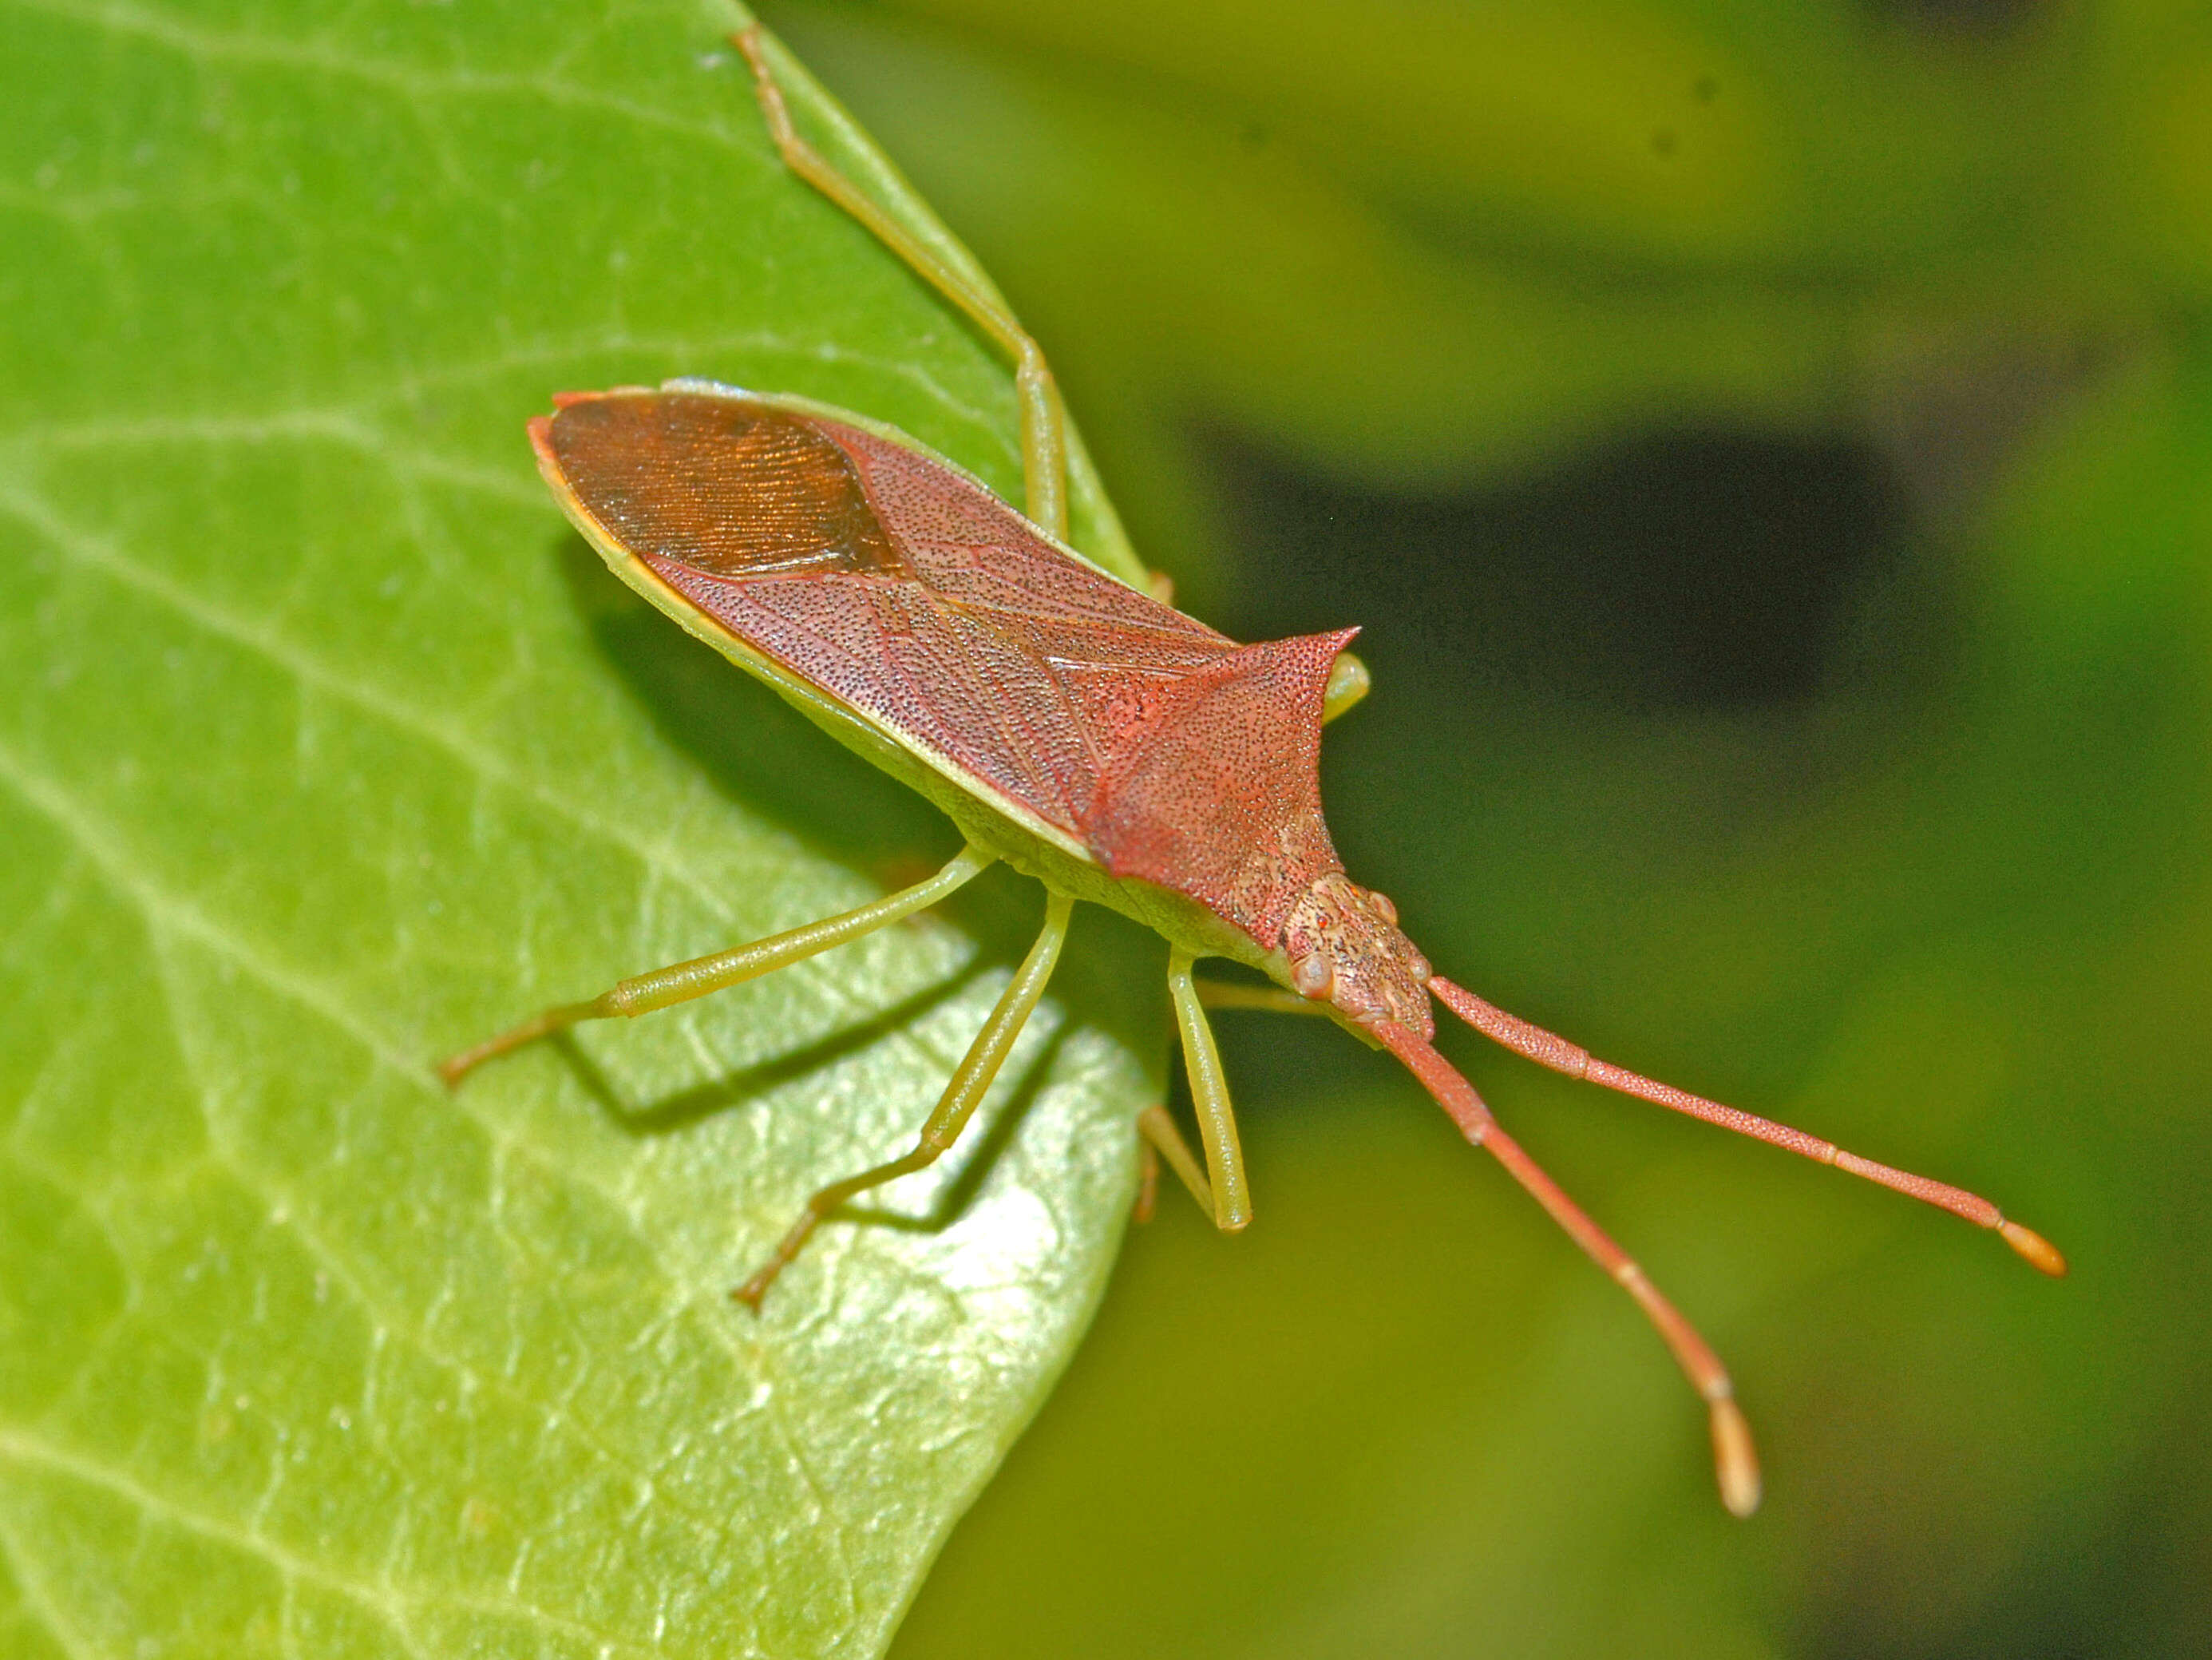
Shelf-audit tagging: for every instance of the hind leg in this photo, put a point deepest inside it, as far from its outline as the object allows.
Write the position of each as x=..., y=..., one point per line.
x=971, y=1080
x=1044, y=441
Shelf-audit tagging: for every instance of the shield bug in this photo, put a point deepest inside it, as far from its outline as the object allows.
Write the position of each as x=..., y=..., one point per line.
x=1083, y=731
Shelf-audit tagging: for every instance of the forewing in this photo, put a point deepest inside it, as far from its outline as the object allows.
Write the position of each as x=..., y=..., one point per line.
x=726, y=488
x=888, y=579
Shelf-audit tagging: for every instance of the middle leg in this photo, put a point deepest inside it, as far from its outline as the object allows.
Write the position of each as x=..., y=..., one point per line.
x=1158, y=1139
x=971, y=1080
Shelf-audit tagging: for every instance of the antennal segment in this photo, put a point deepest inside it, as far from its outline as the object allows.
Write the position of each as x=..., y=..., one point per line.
x=1550, y=1050
x=1735, y=1461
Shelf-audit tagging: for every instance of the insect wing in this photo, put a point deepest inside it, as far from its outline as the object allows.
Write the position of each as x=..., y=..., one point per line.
x=888, y=580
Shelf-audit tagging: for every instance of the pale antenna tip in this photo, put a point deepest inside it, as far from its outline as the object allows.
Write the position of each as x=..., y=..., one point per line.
x=1735, y=1461
x=2040, y=1253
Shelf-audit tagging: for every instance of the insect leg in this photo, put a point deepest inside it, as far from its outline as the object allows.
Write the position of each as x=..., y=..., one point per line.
x=970, y=1080
x=1148, y=1182
x=1044, y=448
x=1549, y=1050
x=1735, y=1460
x=643, y=994
x=1162, y=1140
x=1232, y=1202
x=1348, y=681
x=1267, y=999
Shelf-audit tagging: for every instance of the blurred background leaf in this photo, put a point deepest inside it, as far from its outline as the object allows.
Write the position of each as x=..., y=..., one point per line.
x=325, y=748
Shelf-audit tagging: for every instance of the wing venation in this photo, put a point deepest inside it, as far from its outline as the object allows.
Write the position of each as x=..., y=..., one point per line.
x=729, y=489
x=904, y=589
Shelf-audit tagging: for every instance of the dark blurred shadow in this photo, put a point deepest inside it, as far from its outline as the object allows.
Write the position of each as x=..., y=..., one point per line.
x=1687, y=571
x=976, y=1153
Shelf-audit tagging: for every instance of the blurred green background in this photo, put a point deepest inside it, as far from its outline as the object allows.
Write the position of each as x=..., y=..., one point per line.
x=1769, y=448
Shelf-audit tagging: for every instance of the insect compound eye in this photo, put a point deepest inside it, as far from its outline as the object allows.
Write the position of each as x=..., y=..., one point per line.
x=1312, y=976
x=1382, y=906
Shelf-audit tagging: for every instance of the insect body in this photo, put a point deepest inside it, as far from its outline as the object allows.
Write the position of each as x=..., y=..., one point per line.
x=1087, y=733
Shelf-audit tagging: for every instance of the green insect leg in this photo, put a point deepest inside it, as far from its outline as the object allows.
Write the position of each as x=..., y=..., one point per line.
x=1044, y=445
x=644, y=992
x=1158, y=1139
x=1266, y=999
x=971, y=1080
x=1231, y=1199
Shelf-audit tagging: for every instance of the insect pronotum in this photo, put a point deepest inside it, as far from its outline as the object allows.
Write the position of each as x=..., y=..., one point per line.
x=1087, y=734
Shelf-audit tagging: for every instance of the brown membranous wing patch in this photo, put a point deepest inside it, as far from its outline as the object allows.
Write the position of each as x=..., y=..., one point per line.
x=729, y=487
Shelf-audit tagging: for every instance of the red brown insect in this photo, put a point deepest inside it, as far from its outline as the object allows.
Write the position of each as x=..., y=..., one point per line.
x=1083, y=731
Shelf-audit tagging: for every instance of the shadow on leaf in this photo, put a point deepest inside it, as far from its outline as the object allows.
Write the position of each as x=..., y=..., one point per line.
x=687, y=1107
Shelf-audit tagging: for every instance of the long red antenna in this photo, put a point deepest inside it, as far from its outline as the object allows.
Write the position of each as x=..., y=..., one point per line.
x=1736, y=1461
x=1550, y=1050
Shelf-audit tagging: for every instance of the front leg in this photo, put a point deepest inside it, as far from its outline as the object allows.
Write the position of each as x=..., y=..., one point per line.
x=1231, y=1200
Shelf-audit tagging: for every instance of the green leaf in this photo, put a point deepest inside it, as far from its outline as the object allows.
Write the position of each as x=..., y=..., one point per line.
x=325, y=749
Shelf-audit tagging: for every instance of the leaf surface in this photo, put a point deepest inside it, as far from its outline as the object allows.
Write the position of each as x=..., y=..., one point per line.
x=325, y=749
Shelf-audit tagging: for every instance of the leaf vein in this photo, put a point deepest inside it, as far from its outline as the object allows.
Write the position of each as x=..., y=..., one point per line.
x=394, y=1601
x=40, y=1602
x=414, y=82
x=96, y=553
